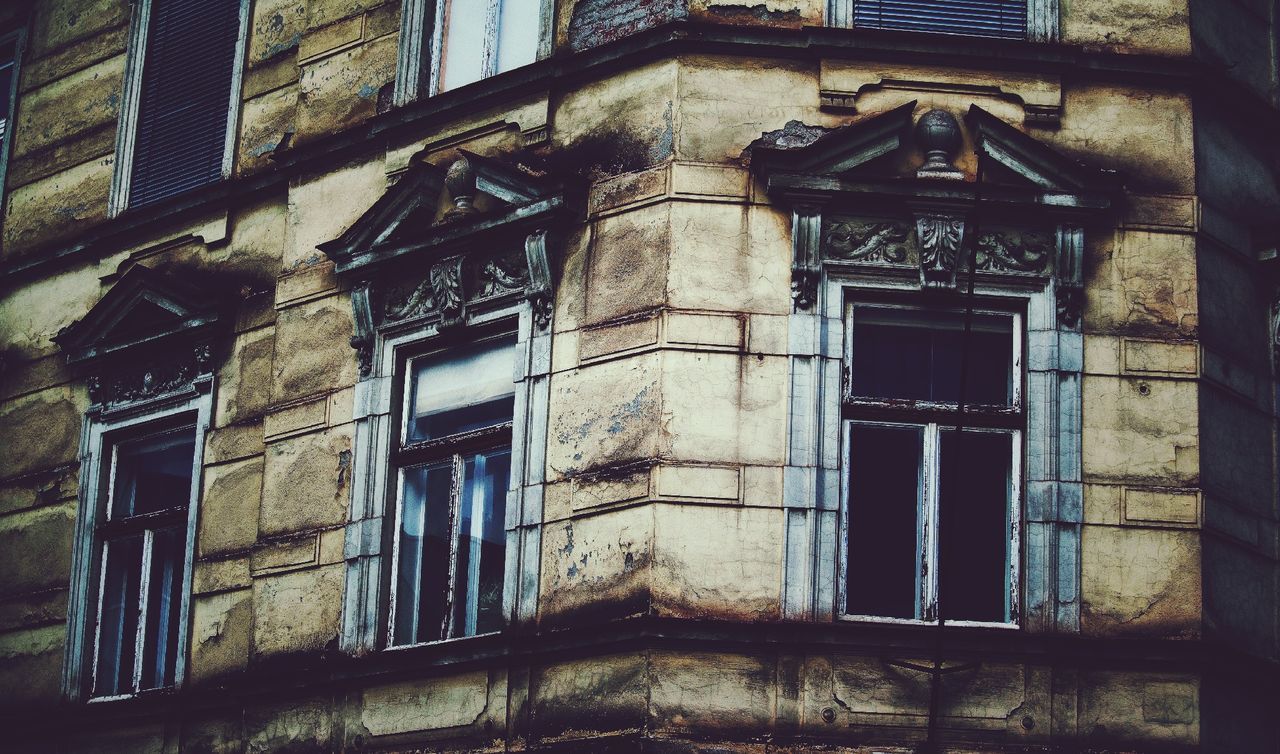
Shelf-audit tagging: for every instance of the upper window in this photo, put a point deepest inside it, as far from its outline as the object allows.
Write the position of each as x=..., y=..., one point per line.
x=452, y=43
x=1008, y=19
x=933, y=423
x=140, y=560
x=453, y=460
x=181, y=94
x=10, y=51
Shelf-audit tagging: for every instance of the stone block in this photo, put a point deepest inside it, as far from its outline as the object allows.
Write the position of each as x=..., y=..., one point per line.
x=432, y=704
x=306, y=483
x=596, y=567
x=297, y=611
x=31, y=665
x=35, y=311
x=57, y=207
x=1150, y=26
x=318, y=41
x=296, y=418
x=768, y=334
x=709, y=181
x=1139, y=706
x=81, y=147
x=55, y=486
x=609, y=488
x=1158, y=357
x=56, y=25
x=82, y=54
x=286, y=555
x=712, y=693
x=618, y=337
x=35, y=548
x=220, y=575
x=69, y=106
x=311, y=353
x=219, y=732
x=592, y=695
x=705, y=331
x=639, y=187
x=233, y=442
x=719, y=263
x=571, y=294
x=627, y=266
x=762, y=486
x=276, y=28
x=221, y=634
x=719, y=484
x=34, y=610
x=322, y=208
x=341, y=90
x=268, y=123
x=244, y=380
x=1143, y=284
x=1161, y=506
x=723, y=408
x=618, y=125
x=717, y=563
x=1140, y=430
x=229, y=506
x=606, y=413
x=323, y=12
x=1140, y=582
x=292, y=725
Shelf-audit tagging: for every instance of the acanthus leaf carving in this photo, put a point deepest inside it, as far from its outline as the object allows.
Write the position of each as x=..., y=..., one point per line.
x=867, y=241
x=940, y=237
x=503, y=275
x=1014, y=251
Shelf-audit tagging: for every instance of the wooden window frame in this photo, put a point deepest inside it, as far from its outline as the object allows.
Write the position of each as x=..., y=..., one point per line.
x=422, y=42
x=405, y=455
x=131, y=99
x=933, y=419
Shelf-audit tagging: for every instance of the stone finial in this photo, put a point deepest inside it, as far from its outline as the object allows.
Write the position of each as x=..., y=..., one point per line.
x=460, y=180
x=938, y=134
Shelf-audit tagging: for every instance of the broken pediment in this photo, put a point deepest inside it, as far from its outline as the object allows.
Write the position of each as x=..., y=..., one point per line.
x=150, y=335
x=443, y=241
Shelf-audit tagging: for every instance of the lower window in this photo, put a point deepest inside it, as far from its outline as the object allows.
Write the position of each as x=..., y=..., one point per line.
x=142, y=554
x=454, y=461
x=932, y=502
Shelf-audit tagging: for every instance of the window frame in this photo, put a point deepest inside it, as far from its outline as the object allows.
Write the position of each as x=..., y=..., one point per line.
x=404, y=455
x=105, y=430
x=931, y=418
x=131, y=99
x=1043, y=23
x=19, y=38
x=418, y=68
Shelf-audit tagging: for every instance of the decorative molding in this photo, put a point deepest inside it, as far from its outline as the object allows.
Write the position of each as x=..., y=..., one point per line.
x=940, y=237
x=363, y=328
x=174, y=373
x=1070, y=277
x=869, y=241
x=540, y=288
x=806, y=264
x=1015, y=251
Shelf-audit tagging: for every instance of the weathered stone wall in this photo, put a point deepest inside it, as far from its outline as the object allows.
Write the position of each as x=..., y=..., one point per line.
x=668, y=412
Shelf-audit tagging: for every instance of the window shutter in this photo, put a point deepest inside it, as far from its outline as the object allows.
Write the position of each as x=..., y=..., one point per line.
x=1006, y=19
x=186, y=91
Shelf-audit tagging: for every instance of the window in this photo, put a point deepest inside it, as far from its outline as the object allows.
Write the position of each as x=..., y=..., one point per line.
x=451, y=43
x=10, y=52
x=931, y=504
x=454, y=466
x=177, y=127
x=1008, y=19
x=141, y=560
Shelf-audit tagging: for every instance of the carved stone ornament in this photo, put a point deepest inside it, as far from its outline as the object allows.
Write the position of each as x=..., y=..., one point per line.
x=152, y=379
x=938, y=134
x=941, y=238
x=867, y=241
x=1070, y=305
x=1014, y=251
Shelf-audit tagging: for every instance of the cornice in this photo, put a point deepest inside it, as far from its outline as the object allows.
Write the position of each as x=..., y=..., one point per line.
x=567, y=70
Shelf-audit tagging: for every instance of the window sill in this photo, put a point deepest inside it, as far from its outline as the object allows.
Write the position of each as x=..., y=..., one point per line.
x=915, y=622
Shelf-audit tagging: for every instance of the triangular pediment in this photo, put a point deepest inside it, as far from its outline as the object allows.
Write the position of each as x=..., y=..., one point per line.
x=842, y=150
x=142, y=309
x=1011, y=152
x=441, y=207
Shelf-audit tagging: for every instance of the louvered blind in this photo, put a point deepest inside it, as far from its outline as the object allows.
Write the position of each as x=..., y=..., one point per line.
x=983, y=18
x=186, y=93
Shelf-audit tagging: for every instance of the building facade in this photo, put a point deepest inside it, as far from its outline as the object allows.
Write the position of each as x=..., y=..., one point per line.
x=639, y=376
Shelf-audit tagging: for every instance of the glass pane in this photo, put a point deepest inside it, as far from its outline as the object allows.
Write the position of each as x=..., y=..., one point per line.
x=482, y=543
x=164, y=600
x=518, y=33
x=153, y=474
x=974, y=530
x=462, y=390
x=118, y=617
x=884, y=532
x=422, y=576
x=464, y=36
x=916, y=355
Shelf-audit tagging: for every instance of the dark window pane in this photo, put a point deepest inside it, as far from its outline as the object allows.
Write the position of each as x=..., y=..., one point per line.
x=153, y=474
x=462, y=390
x=884, y=540
x=422, y=576
x=118, y=616
x=481, y=543
x=1005, y=19
x=914, y=355
x=164, y=600
x=974, y=531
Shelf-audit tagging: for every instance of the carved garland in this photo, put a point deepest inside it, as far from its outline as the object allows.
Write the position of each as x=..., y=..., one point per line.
x=152, y=379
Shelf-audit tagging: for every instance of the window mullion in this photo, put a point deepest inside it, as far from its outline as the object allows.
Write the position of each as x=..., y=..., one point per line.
x=491, y=32
x=455, y=524
x=929, y=518
x=144, y=587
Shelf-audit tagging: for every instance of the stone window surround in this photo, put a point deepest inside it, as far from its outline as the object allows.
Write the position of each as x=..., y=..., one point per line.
x=1042, y=18
x=367, y=545
x=813, y=491
x=131, y=98
x=419, y=44
x=101, y=427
